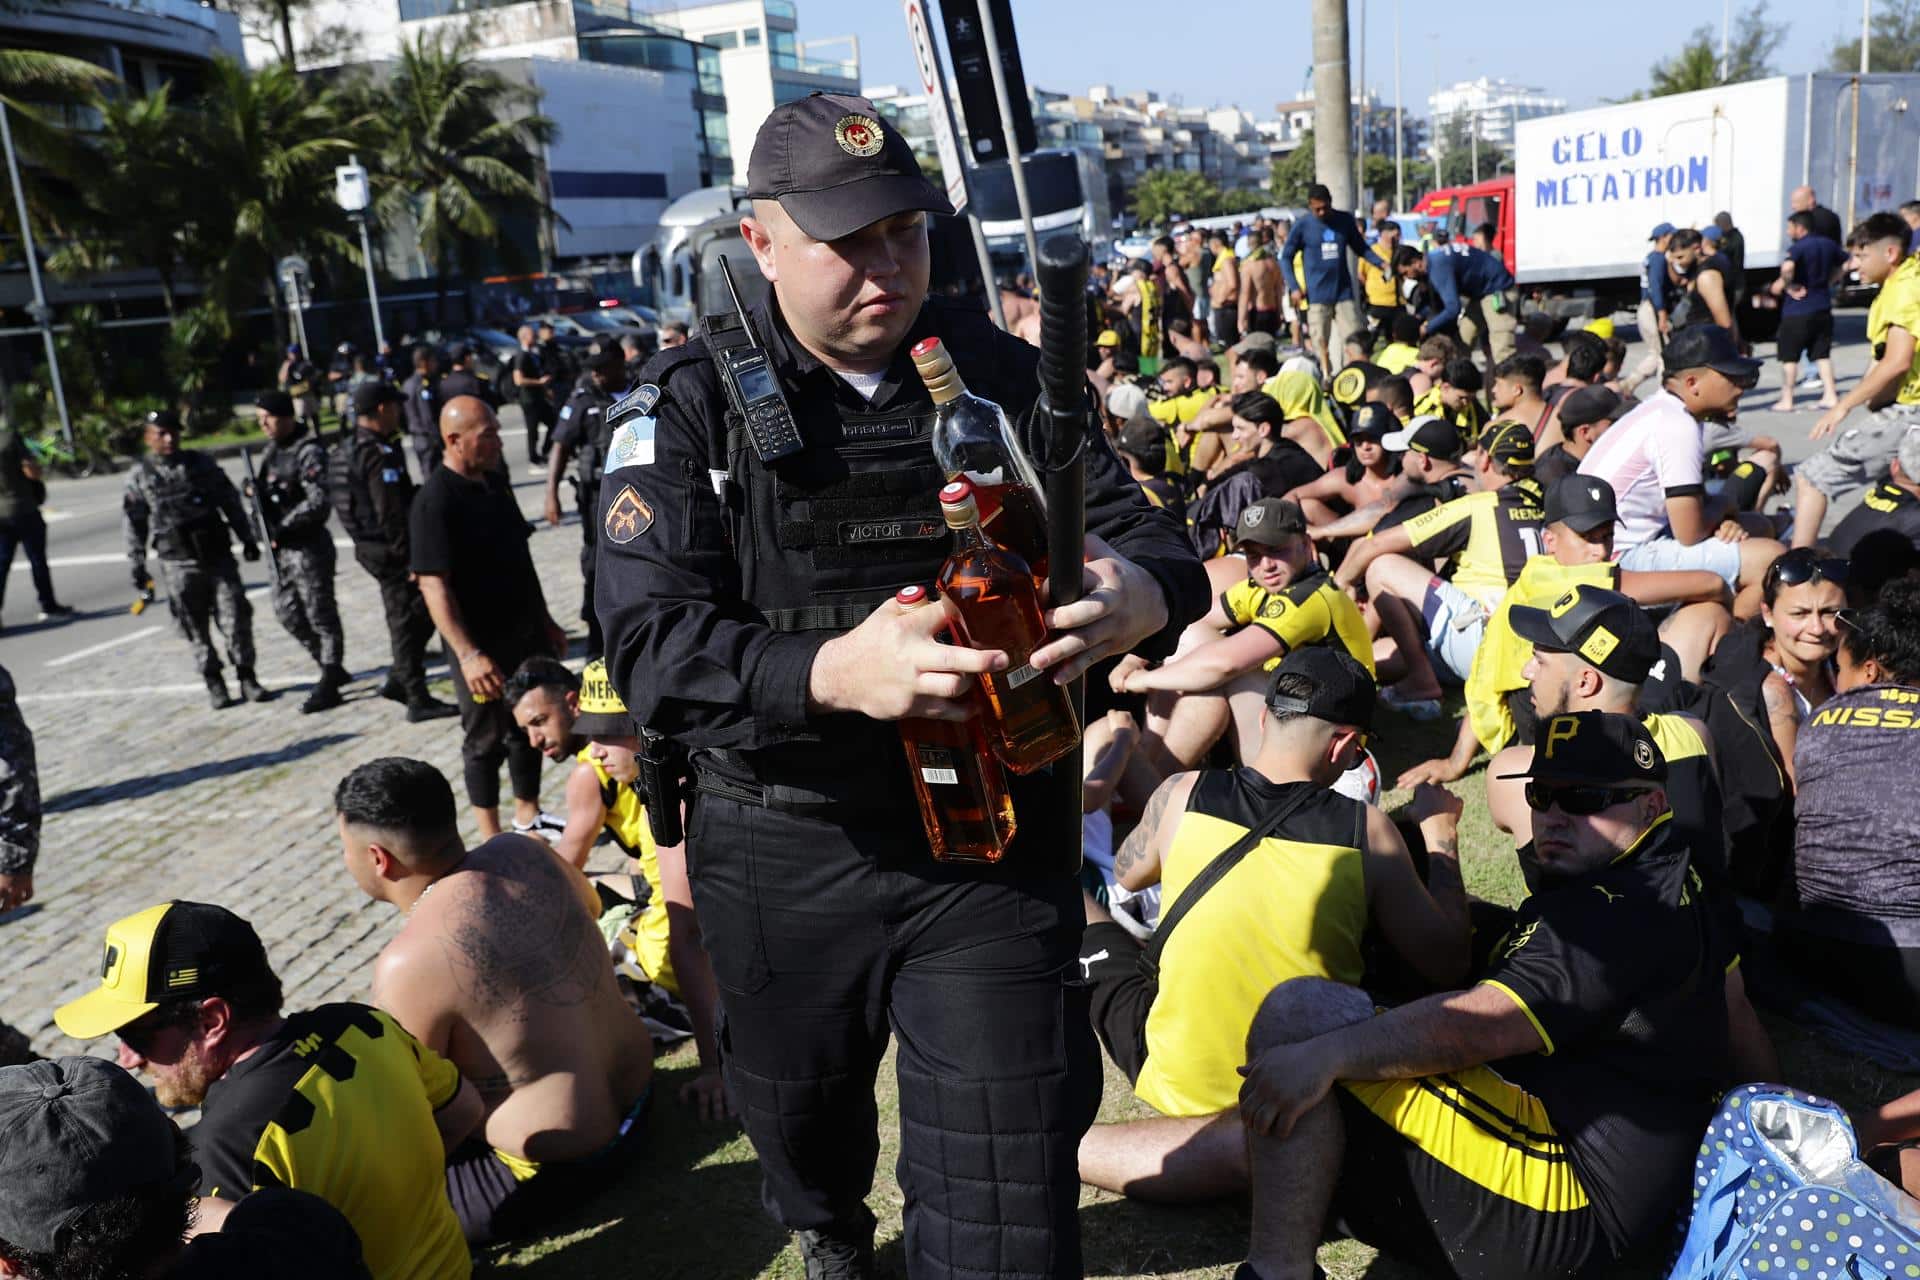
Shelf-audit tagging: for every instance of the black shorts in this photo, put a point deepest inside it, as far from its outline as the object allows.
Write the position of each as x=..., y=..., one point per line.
x=493, y=1203
x=1110, y=963
x=1809, y=335
x=1259, y=321
x=1409, y=1198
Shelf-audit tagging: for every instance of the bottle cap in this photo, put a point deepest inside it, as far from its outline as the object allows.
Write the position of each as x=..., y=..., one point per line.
x=958, y=505
x=937, y=371
x=910, y=597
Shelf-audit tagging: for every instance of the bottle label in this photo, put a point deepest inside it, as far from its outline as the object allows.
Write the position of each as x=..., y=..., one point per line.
x=937, y=767
x=1022, y=674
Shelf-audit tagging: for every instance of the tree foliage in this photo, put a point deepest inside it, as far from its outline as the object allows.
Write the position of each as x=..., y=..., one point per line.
x=1697, y=65
x=1294, y=172
x=1894, y=43
x=1164, y=195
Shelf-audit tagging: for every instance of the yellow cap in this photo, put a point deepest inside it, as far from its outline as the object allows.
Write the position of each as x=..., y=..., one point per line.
x=1108, y=338
x=124, y=987
x=602, y=713
x=1601, y=328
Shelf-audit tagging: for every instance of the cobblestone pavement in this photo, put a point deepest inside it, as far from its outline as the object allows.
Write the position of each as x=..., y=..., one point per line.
x=150, y=795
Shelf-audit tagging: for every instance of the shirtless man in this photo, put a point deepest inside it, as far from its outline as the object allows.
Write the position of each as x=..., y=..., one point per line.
x=1367, y=478
x=1223, y=291
x=1260, y=288
x=499, y=967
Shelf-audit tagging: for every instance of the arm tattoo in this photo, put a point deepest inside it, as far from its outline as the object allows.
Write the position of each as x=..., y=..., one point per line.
x=1134, y=847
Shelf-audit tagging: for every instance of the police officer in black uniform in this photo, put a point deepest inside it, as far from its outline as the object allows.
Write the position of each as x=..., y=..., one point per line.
x=583, y=432
x=181, y=497
x=747, y=612
x=372, y=493
x=292, y=494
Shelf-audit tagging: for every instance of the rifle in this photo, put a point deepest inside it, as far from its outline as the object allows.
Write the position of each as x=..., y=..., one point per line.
x=259, y=512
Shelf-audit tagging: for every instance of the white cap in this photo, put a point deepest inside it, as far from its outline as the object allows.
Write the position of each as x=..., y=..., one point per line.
x=1127, y=402
x=1302, y=364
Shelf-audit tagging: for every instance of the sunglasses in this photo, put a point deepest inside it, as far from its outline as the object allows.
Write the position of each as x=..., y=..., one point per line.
x=140, y=1034
x=1797, y=568
x=1578, y=802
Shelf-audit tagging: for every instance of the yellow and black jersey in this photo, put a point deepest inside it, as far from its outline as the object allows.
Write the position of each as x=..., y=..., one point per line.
x=1490, y=535
x=1622, y=973
x=1295, y=906
x=1693, y=791
x=1310, y=610
x=1469, y=418
x=1885, y=506
x=1502, y=657
x=1162, y=491
x=626, y=821
x=339, y=1102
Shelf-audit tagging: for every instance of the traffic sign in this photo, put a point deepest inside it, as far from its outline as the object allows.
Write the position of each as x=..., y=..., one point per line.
x=927, y=59
x=293, y=267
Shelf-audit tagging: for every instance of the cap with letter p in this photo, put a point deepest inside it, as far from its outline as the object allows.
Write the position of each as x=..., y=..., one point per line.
x=836, y=166
x=1595, y=749
x=1602, y=628
x=175, y=951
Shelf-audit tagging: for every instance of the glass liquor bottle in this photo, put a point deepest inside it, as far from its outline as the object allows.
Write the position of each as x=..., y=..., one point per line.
x=993, y=592
x=962, y=794
x=973, y=439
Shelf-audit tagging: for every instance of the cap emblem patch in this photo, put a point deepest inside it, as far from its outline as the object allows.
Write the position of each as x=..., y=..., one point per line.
x=1643, y=753
x=1564, y=603
x=859, y=136
x=1597, y=646
x=1253, y=516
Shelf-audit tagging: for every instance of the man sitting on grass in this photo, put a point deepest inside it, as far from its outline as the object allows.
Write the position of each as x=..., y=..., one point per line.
x=1542, y=1122
x=500, y=967
x=1294, y=905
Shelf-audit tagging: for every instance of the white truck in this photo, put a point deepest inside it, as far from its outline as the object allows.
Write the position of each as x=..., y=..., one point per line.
x=1589, y=185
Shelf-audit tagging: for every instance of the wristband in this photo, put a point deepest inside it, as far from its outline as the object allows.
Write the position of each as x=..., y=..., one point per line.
x=471, y=653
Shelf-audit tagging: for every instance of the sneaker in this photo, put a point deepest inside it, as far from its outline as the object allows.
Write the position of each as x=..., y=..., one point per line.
x=217, y=696
x=57, y=611
x=547, y=826
x=324, y=697
x=1412, y=708
x=833, y=1256
x=392, y=690
x=422, y=708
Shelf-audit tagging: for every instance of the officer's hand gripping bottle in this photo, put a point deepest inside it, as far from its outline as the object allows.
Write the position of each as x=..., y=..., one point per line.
x=998, y=607
x=963, y=797
x=973, y=439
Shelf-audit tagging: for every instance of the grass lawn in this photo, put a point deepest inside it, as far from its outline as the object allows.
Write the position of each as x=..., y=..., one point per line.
x=692, y=1208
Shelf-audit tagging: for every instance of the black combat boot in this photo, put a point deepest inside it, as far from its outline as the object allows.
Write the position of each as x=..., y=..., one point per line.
x=250, y=689
x=840, y=1253
x=217, y=696
x=325, y=694
x=423, y=706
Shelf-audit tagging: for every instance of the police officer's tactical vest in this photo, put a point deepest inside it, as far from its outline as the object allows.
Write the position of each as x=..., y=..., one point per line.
x=595, y=435
x=184, y=518
x=347, y=490
x=282, y=487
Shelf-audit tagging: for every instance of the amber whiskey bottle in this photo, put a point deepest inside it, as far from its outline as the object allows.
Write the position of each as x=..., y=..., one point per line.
x=963, y=797
x=972, y=439
x=993, y=594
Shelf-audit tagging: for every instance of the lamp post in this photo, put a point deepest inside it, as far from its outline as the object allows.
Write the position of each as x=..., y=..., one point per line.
x=41, y=313
x=352, y=193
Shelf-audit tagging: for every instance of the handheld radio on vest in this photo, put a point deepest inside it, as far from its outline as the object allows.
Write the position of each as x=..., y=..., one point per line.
x=753, y=391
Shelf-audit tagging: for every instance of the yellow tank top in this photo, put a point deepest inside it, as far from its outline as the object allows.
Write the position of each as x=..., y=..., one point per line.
x=1295, y=907
x=1502, y=657
x=626, y=822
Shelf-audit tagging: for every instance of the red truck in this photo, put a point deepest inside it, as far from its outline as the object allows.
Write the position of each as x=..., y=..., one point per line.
x=1461, y=209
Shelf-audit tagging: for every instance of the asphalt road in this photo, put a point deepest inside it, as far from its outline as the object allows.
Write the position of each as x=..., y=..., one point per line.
x=90, y=566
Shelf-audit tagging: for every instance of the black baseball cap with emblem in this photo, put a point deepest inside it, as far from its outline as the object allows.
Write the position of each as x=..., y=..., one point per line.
x=1595, y=749
x=1603, y=628
x=1343, y=692
x=1373, y=421
x=175, y=951
x=1271, y=522
x=369, y=396
x=835, y=166
x=1582, y=503
x=1510, y=444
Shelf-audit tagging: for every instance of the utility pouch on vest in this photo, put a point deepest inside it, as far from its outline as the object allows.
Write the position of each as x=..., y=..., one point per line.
x=1213, y=874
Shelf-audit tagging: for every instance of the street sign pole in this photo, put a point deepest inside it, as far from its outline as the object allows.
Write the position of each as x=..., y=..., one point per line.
x=1015, y=159
x=953, y=165
x=41, y=313
x=351, y=193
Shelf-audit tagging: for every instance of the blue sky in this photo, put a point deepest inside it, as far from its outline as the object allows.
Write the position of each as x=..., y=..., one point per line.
x=1580, y=51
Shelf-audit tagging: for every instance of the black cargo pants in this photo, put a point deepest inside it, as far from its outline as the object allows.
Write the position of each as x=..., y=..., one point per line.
x=826, y=938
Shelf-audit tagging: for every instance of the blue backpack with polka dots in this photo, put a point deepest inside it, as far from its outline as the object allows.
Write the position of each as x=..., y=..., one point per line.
x=1780, y=1193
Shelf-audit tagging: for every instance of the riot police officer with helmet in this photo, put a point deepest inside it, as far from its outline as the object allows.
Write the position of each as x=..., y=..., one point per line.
x=582, y=431
x=745, y=592
x=292, y=493
x=180, y=498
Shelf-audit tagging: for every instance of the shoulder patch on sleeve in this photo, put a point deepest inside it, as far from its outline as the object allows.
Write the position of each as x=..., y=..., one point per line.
x=628, y=516
x=631, y=445
x=637, y=402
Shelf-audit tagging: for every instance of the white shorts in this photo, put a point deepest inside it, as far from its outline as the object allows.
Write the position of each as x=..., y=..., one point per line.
x=1455, y=623
x=1665, y=555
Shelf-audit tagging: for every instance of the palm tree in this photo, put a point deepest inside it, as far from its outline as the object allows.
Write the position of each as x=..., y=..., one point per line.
x=35, y=86
x=266, y=144
x=131, y=180
x=457, y=148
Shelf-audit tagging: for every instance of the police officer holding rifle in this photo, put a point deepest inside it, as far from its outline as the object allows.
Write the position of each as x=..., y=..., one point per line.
x=747, y=565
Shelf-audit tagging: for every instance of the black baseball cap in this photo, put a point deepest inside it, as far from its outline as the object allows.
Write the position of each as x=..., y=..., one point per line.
x=1603, y=628
x=1595, y=749
x=1708, y=346
x=277, y=403
x=1269, y=522
x=369, y=396
x=1582, y=503
x=75, y=1132
x=1343, y=692
x=280, y=1232
x=1589, y=405
x=836, y=166
x=1373, y=421
x=605, y=351
x=175, y=951
x=1509, y=443
x=1143, y=438
x=1435, y=437
x=165, y=419
x=603, y=714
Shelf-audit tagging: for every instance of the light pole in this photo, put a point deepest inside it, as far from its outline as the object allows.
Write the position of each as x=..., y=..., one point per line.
x=351, y=193
x=41, y=313
x=1399, y=137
